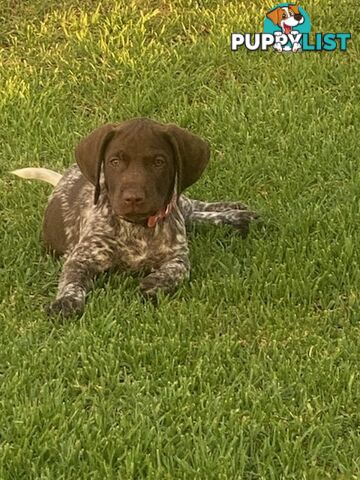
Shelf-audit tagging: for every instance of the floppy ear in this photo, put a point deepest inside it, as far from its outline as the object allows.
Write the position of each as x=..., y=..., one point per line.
x=89, y=154
x=192, y=155
x=274, y=16
x=295, y=9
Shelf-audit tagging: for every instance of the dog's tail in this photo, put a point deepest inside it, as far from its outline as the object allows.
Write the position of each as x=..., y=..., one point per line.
x=39, y=173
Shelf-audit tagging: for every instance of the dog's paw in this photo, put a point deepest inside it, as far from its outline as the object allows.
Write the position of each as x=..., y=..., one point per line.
x=238, y=217
x=296, y=47
x=66, y=306
x=153, y=284
x=150, y=286
x=241, y=220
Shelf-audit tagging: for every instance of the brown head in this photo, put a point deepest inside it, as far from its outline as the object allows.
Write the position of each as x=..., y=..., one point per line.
x=141, y=160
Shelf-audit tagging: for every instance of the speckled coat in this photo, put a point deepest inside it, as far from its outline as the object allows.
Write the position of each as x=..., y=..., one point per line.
x=97, y=240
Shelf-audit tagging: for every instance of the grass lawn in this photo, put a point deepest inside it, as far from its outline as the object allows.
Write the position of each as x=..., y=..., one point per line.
x=251, y=370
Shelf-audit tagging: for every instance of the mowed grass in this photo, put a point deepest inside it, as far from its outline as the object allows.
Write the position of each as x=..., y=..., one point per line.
x=251, y=370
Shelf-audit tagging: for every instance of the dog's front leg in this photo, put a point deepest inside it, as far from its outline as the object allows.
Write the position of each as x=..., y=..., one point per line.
x=297, y=37
x=277, y=44
x=88, y=258
x=167, y=277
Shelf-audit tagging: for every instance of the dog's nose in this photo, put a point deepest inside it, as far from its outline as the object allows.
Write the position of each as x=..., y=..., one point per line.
x=298, y=17
x=133, y=198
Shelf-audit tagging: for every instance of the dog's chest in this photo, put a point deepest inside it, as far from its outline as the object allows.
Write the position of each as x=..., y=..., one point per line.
x=142, y=248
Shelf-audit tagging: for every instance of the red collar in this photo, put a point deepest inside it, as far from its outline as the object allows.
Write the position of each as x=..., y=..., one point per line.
x=163, y=213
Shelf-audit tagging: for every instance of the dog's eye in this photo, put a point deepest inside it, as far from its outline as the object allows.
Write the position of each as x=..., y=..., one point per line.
x=284, y=15
x=114, y=161
x=159, y=161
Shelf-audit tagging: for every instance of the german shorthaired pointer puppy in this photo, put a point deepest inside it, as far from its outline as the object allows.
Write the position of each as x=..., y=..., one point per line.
x=122, y=206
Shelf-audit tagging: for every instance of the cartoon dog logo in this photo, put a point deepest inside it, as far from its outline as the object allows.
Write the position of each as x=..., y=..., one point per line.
x=287, y=18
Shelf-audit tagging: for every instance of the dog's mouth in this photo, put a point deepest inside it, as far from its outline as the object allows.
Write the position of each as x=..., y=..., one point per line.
x=151, y=218
x=135, y=217
x=287, y=29
x=134, y=214
x=289, y=23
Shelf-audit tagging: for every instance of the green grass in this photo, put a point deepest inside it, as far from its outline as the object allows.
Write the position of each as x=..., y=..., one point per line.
x=251, y=371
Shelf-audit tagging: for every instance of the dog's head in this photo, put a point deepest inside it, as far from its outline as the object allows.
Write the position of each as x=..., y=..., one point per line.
x=286, y=17
x=143, y=162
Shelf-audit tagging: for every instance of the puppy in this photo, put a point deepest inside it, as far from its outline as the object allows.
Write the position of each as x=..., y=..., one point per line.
x=121, y=206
